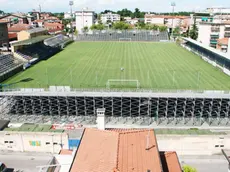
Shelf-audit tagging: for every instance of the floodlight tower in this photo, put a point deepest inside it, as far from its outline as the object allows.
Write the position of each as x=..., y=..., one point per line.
x=71, y=17
x=173, y=4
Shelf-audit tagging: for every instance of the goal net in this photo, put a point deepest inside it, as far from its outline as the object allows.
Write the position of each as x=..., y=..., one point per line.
x=122, y=83
x=125, y=39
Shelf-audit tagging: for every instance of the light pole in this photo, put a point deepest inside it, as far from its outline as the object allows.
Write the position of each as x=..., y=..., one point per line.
x=173, y=4
x=71, y=17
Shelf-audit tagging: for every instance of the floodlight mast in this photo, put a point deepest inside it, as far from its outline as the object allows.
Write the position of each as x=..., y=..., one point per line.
x=173, y=4
x=71, y=17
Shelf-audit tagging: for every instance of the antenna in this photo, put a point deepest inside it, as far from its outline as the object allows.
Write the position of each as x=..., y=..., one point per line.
x=147, y=141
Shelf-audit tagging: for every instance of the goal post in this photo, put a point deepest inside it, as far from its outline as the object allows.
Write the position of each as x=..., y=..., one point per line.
x=125, y=39
x=122, y=83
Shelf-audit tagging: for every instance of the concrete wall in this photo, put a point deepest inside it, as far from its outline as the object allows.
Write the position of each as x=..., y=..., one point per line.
x=23, y=35
x=33, y=142
x=193, y=145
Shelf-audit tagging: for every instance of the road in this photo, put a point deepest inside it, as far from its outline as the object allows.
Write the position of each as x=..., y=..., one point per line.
x=212, y=163
x=26, y=162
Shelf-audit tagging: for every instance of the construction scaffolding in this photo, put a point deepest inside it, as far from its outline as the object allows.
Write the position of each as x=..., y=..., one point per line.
x=142, y=108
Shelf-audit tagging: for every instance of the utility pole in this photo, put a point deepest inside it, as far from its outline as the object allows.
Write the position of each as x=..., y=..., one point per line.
x=71, y=18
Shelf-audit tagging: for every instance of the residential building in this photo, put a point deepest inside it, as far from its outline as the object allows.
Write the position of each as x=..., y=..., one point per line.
x=110, y=17
x=68, y=15
x=210, y=32
x=122, y=150
x=31, y=33
x=12, y=19
x=33, y=138
x=220, y=10
x=84, y=18
x=131, y=21
x=222, y=44
x=4, y=40
x=170, y=21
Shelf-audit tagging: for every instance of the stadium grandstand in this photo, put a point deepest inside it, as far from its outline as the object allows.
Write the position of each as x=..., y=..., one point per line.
x=65, y=104
x=213, y=56
x=9, y=66
x=126, y=35
x=39, y=48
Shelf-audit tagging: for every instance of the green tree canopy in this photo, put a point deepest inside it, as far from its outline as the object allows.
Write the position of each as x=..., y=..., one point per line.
x=176, y=31
x=97, y=27
x=194, y=31
x=121, y=26
x=163, y=28
x=187, y=168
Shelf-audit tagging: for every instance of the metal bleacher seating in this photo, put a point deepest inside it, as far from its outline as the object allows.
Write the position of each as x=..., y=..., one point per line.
x=7, y=64
x=115, y=35
x=38, y=50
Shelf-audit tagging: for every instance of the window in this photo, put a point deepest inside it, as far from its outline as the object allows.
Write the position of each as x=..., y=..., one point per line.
x=11, y=142
x=221, y=146
x=47, y=143
x=55, y=143
x=5, y=141
x=216, y=146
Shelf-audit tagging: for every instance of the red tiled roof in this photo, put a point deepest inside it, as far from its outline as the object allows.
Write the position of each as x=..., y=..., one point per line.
x=223, y=41
x=39, y=20
x=170, y=162
x=19, y=27
x=117, y=151
x=55, y=30
x=135, y=154
x=97, y=152
x=53, y=25
x=165, y=16
x=65, y=152
x=12, y=35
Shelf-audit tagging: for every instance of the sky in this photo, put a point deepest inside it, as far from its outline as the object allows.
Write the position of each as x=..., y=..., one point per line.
x=100, y=5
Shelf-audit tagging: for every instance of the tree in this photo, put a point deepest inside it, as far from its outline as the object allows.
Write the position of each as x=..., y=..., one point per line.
x=97, y=27
x=187, y=168
x=121, y=26
x=194, y=31
x=162, y=28
x=137, y=13
x=85, y=29
x=176, y=32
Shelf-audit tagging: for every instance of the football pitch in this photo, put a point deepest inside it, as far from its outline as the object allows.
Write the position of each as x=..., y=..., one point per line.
x=155, y=65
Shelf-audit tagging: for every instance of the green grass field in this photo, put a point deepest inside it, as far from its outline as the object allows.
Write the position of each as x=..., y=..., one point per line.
x=155, y=65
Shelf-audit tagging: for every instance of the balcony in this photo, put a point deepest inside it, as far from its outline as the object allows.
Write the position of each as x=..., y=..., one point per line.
x=215, y=29
x=227, y=29
x=227, y=35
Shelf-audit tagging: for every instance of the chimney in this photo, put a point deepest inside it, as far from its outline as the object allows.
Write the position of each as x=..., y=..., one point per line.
x=38, y=15
x=101, y=119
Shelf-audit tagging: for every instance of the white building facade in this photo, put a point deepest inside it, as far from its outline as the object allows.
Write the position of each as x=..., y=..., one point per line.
x=169, y=21
x=110, y=17
x=84, y=18
x=50, y=142
x=210, y=32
